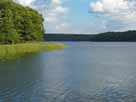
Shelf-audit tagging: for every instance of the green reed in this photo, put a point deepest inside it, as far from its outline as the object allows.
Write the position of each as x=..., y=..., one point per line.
x=11, y=52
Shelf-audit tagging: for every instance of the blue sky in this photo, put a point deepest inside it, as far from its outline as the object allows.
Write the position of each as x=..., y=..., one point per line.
x=85, y=16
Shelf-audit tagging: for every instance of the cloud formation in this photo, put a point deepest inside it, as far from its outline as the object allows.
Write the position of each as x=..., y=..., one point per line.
x=119, y=15
x=106, y=15
x=59, y=1
x=25, y=2
x=117, y=9
x=60, y=10
x=55, y=17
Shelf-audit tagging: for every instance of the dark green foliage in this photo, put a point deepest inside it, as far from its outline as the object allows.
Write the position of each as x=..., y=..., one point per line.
x=19, y=24
x=116, y=36
x=105, y=37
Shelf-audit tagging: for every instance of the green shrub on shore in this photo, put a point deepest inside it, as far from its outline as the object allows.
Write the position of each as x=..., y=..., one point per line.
x=11, y=52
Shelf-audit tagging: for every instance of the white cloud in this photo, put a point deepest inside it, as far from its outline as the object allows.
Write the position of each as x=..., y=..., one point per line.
x=56, y=1
x=123, y=10
x=60, y=9
x=59, y=1
x=24, y=2
x=55, y=17
x=62, y=27
x=51, y=18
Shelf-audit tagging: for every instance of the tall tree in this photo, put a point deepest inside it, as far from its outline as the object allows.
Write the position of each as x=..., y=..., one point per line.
x=19, y=24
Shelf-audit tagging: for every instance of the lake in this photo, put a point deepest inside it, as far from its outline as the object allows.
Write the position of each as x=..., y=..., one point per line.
x=82, y=72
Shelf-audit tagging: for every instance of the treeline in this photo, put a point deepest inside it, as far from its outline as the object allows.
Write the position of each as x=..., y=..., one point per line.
x=19, y=24
x=108, y=36
x=67, y=37
x=115, y=36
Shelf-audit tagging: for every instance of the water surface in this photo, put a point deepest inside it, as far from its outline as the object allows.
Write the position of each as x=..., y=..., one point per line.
x=83, y=72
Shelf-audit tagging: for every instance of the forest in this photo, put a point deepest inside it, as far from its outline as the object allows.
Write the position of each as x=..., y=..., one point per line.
x=128, y=36
x=116, y=36
x=19, y=24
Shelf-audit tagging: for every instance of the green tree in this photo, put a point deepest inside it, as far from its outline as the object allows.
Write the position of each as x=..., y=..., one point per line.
x=19, y=24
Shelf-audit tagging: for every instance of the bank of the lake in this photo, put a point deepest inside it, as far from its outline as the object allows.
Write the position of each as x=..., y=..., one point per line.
x=14, y=51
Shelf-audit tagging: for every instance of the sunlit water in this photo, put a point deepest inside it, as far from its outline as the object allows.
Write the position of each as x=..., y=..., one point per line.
x=83, y=72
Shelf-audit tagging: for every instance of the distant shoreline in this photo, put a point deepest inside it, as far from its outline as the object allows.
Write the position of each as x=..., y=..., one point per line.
x=128, y=36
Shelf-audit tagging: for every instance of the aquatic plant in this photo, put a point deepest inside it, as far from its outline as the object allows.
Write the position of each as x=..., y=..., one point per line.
x=11, y=52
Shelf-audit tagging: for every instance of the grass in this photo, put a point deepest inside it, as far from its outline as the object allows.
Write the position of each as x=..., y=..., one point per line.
x=12, y=52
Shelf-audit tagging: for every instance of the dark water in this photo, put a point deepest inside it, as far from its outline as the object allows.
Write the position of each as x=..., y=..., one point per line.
x=83, y=72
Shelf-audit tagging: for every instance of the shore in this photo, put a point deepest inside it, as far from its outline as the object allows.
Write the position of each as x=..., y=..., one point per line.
x=12, y=52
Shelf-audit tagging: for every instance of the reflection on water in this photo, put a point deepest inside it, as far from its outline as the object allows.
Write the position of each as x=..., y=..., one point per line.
x=83, y=72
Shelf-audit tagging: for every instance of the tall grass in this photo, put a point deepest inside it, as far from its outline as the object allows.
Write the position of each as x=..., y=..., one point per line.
x=11, y=52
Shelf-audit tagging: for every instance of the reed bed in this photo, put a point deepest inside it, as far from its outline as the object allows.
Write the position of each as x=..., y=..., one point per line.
x=11, y=52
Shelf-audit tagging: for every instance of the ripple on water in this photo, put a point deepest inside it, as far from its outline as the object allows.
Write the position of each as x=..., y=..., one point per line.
x=59, y=77
x=56, y=94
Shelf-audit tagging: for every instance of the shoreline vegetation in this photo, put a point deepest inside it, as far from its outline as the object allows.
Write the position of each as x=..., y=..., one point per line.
x=15, y=51
x=21, y=31
x=126, y=36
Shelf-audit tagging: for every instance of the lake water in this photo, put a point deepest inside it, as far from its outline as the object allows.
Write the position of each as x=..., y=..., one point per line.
x=83, y=72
